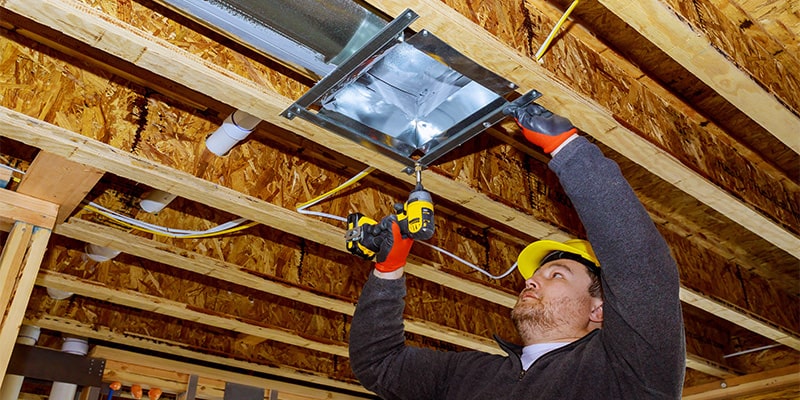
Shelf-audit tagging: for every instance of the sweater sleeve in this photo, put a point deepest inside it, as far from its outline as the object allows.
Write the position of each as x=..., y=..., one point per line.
x=378, y=355
x=643, y=323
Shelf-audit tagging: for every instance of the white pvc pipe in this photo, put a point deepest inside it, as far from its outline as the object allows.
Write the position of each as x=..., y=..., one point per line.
x=12, y=384
x=58, y=294
x=155, y=200
x=100, y=253
x=63, y=390
x=234, y=129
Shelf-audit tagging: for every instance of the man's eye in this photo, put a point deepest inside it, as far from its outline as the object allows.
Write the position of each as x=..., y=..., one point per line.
x=558, y=275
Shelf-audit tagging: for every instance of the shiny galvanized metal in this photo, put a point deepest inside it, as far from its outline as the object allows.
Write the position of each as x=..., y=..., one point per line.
x=414, y=100
x=312, y=35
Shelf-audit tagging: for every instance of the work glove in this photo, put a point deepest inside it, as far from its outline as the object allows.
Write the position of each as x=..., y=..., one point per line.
x=394, y=247
x=541, y=127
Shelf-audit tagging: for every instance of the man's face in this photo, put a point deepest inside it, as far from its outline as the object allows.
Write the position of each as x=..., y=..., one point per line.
x=555, y=302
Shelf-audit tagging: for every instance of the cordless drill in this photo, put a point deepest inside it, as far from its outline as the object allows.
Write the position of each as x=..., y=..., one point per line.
x=364, y=235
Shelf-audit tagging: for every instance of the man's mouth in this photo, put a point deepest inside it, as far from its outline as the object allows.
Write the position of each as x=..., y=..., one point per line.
x=528, y=294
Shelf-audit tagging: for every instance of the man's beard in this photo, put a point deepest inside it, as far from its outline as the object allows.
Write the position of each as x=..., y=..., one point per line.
x=534, y=316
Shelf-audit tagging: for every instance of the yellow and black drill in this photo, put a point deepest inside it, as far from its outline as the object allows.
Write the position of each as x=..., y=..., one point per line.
x=364, y=235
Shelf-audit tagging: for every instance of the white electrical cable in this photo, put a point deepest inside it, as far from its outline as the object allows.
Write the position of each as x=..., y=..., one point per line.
x=321, y=214
x=13, y=169
x=471, y=265
x=177, y=233
x=302, y=210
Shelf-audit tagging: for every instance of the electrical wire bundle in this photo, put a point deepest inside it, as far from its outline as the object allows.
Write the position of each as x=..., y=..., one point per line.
x=240, y=224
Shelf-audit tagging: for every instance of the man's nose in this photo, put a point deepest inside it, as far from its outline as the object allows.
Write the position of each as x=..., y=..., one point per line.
x=531, y=283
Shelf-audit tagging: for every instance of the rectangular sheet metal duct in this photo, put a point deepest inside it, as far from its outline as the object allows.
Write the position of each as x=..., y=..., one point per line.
x=411, y=97
x=311, y=35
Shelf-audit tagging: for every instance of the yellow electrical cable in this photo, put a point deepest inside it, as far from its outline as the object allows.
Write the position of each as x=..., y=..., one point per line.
x=552, y=34
x=346, y=184
x=338, y=188
x=226, y=231
x=163, y=234
x=119, y=221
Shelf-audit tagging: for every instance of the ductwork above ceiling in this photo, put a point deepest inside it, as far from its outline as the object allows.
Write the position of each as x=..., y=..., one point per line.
x=408, y=95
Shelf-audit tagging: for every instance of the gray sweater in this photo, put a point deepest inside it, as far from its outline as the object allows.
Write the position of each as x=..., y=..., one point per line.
x=638, y=354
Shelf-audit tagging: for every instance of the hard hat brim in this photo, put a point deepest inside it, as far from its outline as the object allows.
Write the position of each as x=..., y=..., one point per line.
x=530, y=258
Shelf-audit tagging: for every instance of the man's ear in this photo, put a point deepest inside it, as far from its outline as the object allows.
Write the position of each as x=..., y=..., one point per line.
x=597, y=312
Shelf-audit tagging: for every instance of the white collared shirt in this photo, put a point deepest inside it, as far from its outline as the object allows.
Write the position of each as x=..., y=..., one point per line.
x=532, y=352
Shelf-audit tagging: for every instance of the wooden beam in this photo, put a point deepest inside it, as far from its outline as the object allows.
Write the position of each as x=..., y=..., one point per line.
x=19, y=262
x=6, y=175
x=660, y=24
x=173, y=376
x=738, y=317
x=708, y=367
x=20, y=207
x=748, y=385
x=55, y=179
x=445, y=22
x=490, y=52
x=54, y=139
x=73, y=327
x=12, y=258
x=174, y=309
x=178, y=258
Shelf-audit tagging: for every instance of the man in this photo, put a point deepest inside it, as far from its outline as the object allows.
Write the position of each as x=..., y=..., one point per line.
x=600, y=321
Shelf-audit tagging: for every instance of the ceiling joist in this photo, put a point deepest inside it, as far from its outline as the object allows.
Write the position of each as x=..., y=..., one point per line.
x=659, y=24
x=154, y=55
x=728, y=211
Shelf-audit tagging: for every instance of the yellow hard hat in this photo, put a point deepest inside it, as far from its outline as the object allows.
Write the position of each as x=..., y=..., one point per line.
x=530, y=258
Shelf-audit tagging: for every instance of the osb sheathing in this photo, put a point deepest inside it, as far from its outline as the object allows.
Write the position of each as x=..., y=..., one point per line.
x=159, y=128
x=758, y=55
x=687, y=136
x=663, y=69
x=521, y=27
x=147, y=124
x=189, y=335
